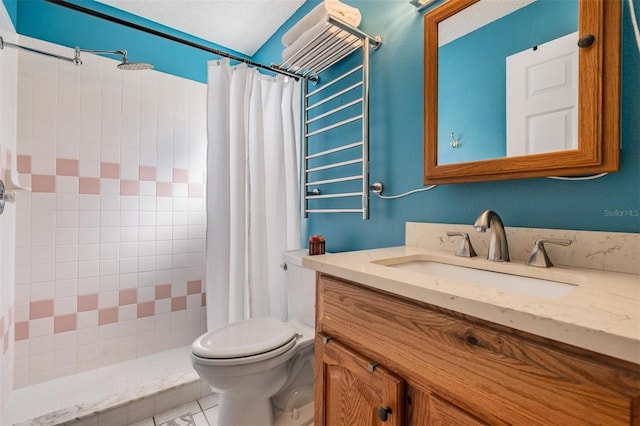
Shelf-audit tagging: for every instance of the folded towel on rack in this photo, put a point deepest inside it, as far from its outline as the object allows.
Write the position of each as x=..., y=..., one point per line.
x=294, y=55
x=349, y=14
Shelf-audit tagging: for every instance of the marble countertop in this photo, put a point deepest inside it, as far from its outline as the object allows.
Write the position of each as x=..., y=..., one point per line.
x=601, y=314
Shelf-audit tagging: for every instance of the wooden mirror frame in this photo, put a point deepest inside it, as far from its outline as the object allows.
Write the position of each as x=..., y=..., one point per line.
x=598, y=106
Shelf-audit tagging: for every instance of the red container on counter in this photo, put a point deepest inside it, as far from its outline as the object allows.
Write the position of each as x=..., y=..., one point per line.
x=316, y=245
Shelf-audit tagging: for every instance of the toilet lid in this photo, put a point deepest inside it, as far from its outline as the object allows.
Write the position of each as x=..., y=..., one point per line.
x=244, y=338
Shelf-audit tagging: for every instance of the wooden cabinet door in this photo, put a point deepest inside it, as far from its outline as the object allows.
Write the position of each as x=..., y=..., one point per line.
x=352, y=391
x=441, y=413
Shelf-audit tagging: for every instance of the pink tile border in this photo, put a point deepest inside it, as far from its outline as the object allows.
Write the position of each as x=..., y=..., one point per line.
x=43, y=183
x=66, y=167
x=108, y=315
x=89, y=185
x=194, y=287
x=24, y=164
x=163, y=291
x=178, y=303
x=22, y=330
x=110, y=170
x=129, y=187
x=146, y=309
x=87, y=302
x=180, y=176
x=164, y=189
x=64, y=323
x=147, y=173
x=128, y=296
x=41, y=309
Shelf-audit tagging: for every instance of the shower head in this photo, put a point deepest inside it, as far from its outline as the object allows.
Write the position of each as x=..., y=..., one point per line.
x=133, y=66
x=124, y=65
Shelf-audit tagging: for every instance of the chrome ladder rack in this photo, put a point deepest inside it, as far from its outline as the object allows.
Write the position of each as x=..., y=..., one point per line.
x=329, y=107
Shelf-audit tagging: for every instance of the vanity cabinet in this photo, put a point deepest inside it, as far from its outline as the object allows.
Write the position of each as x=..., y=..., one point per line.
x=432, y=366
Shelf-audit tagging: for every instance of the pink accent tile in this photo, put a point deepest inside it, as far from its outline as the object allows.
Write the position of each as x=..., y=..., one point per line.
x=178, y=303
x=87, y=302
x=43, y=183
x=64, y=323
x=204, y=299
x=163, y=291
x=129, y=187
x=107, y=315
x=22, y=330
x=146, y=309
x=164, y=189
x=41, y=309
x=128, y=296
x=24, y=164
x=194, y=287
x=147, y=173
x=89, y=185
x=110, y=170
x=2, y=327
x=10, y=316
x=196, y=190
x=66, y=167
x=180, y=176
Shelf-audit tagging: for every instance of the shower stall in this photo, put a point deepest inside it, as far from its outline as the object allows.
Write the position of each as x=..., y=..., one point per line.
x=108, y=245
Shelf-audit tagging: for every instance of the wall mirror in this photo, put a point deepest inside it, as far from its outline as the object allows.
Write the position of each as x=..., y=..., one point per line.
x=520, y=89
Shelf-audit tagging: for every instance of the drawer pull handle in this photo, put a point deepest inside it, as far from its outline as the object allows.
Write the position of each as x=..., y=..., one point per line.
x=383, y=413
x=325, y=339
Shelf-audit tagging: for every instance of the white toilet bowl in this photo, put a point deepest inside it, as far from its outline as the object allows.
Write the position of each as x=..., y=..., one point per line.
x=249, y=362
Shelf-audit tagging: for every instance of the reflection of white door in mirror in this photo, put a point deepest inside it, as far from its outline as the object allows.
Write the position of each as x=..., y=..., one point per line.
x=542, y=98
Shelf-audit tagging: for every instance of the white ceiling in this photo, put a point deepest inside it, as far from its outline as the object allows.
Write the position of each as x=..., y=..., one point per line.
x=241, y=25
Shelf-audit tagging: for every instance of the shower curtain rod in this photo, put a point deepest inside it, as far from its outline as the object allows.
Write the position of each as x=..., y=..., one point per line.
x=4, y=43
x=151, y=31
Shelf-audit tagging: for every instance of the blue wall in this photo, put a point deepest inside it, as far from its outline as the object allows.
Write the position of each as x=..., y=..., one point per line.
x=12, y=10
x=396, y=152
x=396, y=130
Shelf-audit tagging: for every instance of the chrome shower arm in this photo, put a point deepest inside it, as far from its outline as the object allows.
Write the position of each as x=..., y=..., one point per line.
x=78, y=49
x=103, y=52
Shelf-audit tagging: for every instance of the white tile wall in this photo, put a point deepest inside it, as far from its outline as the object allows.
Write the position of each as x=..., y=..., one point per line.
x=9, y=256
x=71, y=243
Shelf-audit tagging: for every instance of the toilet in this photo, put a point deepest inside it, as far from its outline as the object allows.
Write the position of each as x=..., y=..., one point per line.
x=262, y=368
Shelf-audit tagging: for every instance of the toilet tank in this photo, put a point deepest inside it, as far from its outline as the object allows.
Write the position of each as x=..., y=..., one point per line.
x=300, y=284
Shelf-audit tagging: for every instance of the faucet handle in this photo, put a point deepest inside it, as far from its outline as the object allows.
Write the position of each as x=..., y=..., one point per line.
x=539, y=257
x=465, y=249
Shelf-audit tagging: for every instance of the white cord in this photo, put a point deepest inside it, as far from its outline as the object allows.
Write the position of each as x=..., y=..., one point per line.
x=634, y=23
x=389, y=197
x=578, y=178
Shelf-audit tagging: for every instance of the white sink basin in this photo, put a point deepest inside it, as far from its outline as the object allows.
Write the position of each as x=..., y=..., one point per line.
x=529, y=286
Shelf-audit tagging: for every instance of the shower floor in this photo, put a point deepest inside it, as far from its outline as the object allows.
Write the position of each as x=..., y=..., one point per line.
x=128, y=391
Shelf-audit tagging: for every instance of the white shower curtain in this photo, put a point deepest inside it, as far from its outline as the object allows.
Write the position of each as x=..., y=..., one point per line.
x=253, y=210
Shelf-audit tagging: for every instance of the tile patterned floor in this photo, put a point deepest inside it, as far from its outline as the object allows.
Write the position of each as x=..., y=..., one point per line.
x=202, y=412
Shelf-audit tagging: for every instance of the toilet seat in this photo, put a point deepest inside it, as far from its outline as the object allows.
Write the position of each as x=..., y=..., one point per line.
x=245, y=342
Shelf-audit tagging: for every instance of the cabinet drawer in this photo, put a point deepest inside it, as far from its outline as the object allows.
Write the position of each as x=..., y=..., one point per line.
x=499, y=375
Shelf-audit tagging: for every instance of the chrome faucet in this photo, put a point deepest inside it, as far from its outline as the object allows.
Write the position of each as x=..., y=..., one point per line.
x=498, y=247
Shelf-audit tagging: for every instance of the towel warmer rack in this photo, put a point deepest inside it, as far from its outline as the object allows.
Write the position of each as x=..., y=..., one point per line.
x=334, y=158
